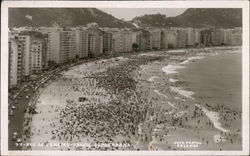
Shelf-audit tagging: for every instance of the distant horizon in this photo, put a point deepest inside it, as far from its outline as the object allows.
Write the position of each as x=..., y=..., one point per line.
x=128, y=14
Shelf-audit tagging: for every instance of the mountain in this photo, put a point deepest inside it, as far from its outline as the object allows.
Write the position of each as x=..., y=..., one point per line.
x=63, y=17
x=195, y=17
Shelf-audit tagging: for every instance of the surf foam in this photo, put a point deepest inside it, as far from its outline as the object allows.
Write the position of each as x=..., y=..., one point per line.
x=173, y=80
x=171, y=69
x=214, y=117
x=187, y=94
x=192, y=58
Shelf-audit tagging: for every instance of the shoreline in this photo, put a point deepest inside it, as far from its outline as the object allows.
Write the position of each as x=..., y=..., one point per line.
x=211, y=115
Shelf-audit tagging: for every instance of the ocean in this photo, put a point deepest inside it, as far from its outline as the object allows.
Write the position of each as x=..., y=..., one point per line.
x=217, y=79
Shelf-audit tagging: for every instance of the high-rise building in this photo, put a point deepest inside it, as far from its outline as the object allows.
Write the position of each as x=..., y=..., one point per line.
x=206, y=37
x=118, y=42
x=190, y=37
x=155, y=38
x=26, y=54
x=163, y=39
x=15, y=61
x=128, y=40
x=135, y=39
x=171, y=38
x=54, y=46
x=44, y=53
x=181, y=37
x=25, y=41
x=61, y=45
x=197, y=37
x=36, y=56
x=107, y=42
x=227, y=36
x=71, y=51
x=81, y=42
x=237, y=36
x=217, y=37
x=95, y=41
x=123, y=40
x=143, y=40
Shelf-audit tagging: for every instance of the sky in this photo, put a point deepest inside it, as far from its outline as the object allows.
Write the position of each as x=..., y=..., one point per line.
x=129, y=13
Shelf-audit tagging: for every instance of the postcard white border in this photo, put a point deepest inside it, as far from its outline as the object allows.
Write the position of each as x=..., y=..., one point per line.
x=124, y=4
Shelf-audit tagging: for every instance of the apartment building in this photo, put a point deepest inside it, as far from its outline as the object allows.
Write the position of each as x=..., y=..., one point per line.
x=123, y=40
x=95, y=41
x=25, y=43
x=61, y=45
x=171, y=38
x=190, y=37
x=237, y=36
x=44, y=53
x=217, y=37
x=71, y=51
x=227, y=36
x=155, y=39
x=54, y=46
x=118, y=44
x=36, y=56
x=128, y=40
x=15, y=61
x=143, y=40
x=181, y=38
x=206, y=37
x=107, y=42
x=197, y=37
x=81, y=42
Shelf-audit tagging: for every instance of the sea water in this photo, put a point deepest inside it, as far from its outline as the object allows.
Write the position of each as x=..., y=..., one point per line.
x=217, y=79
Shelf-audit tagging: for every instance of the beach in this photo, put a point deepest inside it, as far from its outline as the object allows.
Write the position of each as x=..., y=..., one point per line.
x=205, y=120
x=149, y=101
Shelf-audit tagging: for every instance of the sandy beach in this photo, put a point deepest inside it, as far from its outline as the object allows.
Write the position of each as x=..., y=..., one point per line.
x=135, y=102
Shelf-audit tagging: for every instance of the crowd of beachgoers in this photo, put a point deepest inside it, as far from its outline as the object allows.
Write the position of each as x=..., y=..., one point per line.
x=130, y=103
